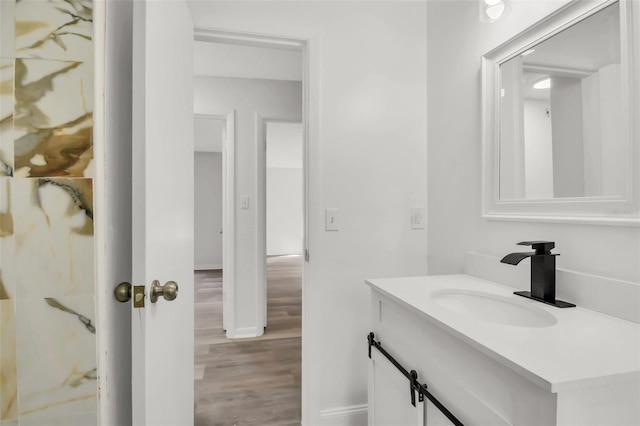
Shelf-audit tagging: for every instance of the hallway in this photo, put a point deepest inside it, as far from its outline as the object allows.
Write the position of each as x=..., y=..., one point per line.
x=250, y=381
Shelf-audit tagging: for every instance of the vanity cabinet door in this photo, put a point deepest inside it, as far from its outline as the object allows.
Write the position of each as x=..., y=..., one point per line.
x=434, y=417
x=389, y=396
x=476, y=390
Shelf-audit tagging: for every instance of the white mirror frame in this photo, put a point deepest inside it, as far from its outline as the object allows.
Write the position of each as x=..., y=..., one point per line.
x=624, y=210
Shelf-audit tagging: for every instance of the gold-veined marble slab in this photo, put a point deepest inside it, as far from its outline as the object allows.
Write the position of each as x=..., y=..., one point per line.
x=7, y=28
x=56, y=29
x=6, y=116
x=56, y=351
x=47, y=304
x=69, y=419
x=7, y=277
x=8, y=383
x=53, y=237
x=53, y=120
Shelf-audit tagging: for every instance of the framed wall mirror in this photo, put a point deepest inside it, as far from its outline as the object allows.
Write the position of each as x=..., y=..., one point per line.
x=560, y=118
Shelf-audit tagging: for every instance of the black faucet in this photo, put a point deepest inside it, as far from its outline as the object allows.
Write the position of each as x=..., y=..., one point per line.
x=543, y=272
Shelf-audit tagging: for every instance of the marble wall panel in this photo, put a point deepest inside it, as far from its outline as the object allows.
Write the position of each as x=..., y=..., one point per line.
x=53, y=237
x=54, y=29
x=47, y=304
x=7, y=27
x=53, y=118
x=69, y=419
x=6, y=117
x=8, y=383
x=56, y=351
x=7, y=270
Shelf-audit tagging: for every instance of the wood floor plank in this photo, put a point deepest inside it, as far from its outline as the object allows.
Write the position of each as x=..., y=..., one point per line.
x=250, y=382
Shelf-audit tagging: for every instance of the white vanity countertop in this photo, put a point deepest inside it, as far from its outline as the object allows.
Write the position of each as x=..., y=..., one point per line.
x=583, y=348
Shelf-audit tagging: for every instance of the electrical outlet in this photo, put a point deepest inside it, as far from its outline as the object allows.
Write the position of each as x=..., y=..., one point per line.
x=331, y=219
x=417, y=218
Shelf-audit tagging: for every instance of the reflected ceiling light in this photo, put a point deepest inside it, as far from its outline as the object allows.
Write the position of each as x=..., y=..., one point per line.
x=528, y=52
x=544, y=83
x=493, y=10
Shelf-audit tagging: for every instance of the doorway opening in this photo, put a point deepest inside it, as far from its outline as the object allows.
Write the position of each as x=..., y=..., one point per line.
x=214, y=173
x=251, y=372
x=281, y=204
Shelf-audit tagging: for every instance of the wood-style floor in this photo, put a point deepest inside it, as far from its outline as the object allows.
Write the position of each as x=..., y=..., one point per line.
x=250, y=381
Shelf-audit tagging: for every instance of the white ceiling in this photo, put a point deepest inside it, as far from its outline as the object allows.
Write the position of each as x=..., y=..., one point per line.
x=227, y=60
x=587, y=46
x=284, y=145
x=528, y=92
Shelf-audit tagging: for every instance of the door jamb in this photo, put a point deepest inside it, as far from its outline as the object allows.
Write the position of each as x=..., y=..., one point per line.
x=228, y=219
x=261, y=208
x=229, y=223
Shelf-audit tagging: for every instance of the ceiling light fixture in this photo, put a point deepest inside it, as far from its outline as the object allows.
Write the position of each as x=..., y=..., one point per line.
x=493, y=10
x=544, y=83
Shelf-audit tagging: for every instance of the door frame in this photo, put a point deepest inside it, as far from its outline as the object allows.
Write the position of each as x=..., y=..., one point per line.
x=112, y=116
x=261, y=205
x=307, y=47
x=228, y=216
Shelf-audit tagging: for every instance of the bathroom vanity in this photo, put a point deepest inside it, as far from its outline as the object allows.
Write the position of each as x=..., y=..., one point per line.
x=493, y=358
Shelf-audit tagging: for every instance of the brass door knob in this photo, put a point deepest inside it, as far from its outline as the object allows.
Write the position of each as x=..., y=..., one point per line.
x=169, y=291
x=122, y=292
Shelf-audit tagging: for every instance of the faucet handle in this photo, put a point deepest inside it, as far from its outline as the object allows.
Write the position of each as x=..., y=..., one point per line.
x=541, y=247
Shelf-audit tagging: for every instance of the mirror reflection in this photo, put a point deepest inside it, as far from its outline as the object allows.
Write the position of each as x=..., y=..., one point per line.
x=560, y=115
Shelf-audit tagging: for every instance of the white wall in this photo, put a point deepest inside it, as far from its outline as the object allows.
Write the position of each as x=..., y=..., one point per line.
x=230, y=60
x=284, y=190
x=538, y=154
x=512, y=146
x=614, y=153
x=208, y=133
x=207, y=210
x=592, y=135
x=367, y=136
x=455, y=225
x=248, y=97
x=605, y=151
x=284, y=211
x=566, y=130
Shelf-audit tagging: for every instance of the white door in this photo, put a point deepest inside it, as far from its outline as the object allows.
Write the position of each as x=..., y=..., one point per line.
x=162, y=332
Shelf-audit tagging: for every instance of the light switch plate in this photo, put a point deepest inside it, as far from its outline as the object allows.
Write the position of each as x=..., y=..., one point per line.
x=417, y=218
x=331, y=219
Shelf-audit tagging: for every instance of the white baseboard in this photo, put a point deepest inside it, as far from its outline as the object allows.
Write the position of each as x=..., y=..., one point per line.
x=353, y=415
x=245, y=332
x=609, y=296
x=206, y=267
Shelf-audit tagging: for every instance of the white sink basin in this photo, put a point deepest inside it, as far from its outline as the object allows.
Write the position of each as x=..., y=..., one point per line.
x=494, y=308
